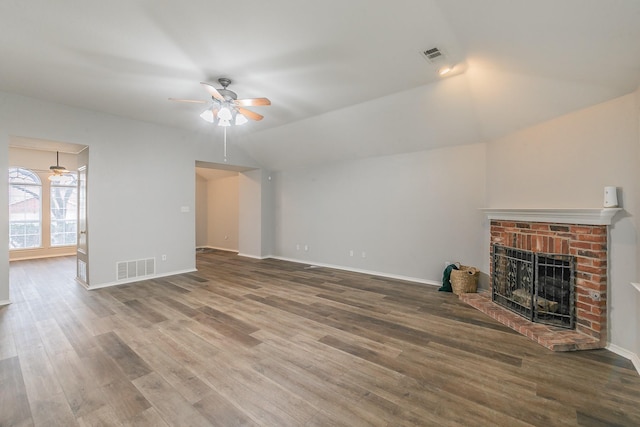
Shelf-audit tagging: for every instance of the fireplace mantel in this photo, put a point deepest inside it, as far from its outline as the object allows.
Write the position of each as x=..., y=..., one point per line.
x=587, y=216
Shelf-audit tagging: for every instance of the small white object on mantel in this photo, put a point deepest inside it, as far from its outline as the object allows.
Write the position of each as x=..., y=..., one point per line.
x=586, y=216
x=610, y=197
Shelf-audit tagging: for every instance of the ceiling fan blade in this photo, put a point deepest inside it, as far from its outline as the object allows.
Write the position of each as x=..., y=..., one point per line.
x=250, y=114
x=193, y=101
x=252, y=102
x=212, y=91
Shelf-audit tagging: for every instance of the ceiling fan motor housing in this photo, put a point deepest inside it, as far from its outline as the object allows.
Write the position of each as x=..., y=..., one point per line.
x=229, y=95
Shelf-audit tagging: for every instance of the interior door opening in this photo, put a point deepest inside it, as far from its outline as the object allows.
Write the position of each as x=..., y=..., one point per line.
x=47, y=221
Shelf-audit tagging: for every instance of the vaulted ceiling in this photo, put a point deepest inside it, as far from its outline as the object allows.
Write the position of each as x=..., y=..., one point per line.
x=328, y=67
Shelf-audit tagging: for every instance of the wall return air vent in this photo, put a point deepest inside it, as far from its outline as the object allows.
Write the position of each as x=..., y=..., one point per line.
x=138, y=268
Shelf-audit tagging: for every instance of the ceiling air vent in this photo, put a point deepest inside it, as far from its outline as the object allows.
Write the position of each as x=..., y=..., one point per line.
x=433, y=55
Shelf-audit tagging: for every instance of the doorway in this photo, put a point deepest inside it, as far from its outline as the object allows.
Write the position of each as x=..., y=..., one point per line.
x=217, y=207
x=52, y=213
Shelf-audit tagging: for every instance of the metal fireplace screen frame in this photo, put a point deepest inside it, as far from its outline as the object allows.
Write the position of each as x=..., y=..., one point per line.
x=537, y=286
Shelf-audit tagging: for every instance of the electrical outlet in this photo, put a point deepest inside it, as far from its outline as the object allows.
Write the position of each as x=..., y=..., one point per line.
x=306, y=248
x=164, y=257
x=351, y=252
x=595, y=295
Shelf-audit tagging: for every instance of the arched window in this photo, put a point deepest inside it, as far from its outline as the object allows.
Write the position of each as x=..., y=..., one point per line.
x=25, y=209
x=64, y=209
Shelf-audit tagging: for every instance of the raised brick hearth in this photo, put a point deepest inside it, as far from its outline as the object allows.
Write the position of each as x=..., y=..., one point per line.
x=583, y=238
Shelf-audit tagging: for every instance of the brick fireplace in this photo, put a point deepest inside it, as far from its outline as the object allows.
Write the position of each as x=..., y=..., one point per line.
x=579, y=233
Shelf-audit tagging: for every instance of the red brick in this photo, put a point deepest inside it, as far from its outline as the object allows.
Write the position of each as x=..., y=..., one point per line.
x=584, y=261
x=599, y=278
x=557, y=245
x=581, y=245
x=592, y=317
x=580, y=229
x=537, y=244
x=583, y=275
x=590, y=269
x=584, y=322
x=592, y=254
x=540, y=226
x=580, y=305
x=592, y=238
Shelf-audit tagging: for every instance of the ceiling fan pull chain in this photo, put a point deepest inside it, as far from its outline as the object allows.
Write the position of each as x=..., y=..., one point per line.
x=225, y=144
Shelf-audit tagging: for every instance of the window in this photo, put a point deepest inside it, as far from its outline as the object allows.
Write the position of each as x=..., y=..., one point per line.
x=64, y=210
x=25, y=209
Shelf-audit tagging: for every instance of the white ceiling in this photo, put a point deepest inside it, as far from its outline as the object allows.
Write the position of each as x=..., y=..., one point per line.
x=525, y=61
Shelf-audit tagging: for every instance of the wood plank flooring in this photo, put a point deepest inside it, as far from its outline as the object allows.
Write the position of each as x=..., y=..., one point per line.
x=244, y=342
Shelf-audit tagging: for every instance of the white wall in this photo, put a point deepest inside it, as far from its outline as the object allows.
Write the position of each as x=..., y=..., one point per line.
x=637, y=279
x=140, y=176
x=222, y=213
x=250, y=214
x=566, y=163
x=407, y=213
x=202, y=216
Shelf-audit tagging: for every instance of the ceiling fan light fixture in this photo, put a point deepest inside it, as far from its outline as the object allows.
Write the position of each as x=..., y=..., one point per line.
x=61, y=179
x=240, y=119
x=224, y=122
x=224, y=113
x=207, y=115
x=57, y=170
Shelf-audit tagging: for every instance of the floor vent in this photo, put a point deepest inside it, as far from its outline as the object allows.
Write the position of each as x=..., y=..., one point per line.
x=138, y=268
x=82, y=271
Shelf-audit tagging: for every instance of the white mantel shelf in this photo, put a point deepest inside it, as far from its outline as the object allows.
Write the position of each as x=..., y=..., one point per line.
x=588, y=216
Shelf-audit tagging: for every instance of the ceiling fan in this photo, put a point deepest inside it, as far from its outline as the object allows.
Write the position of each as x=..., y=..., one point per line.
x=225, y=106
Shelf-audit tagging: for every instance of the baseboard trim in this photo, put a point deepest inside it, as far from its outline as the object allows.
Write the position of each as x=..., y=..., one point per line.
x=30, y=257
x=362, y=271
x=138, y=279
x=254, y=256
x=5, y=302
x=633, y=357
x=217, y=248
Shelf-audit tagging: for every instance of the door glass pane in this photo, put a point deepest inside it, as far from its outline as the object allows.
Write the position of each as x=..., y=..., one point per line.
x=64, y=211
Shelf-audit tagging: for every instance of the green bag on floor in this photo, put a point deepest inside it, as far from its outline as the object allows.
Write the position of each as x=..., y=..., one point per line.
x=446, y=278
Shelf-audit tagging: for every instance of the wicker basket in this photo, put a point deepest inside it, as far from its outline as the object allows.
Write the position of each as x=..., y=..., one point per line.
x=464, y=280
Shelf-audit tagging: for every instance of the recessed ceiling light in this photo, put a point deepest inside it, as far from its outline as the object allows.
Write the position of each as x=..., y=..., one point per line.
x=444, y=70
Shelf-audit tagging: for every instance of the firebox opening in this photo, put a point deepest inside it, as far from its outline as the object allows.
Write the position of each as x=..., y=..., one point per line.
x=537, y=286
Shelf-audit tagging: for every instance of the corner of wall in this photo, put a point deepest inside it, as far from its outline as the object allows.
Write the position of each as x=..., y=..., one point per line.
x=4, y=231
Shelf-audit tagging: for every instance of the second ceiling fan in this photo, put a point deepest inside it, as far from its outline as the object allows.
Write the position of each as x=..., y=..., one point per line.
x=225, y=107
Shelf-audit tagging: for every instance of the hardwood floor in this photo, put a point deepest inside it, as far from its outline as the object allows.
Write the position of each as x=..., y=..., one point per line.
x=272, y=343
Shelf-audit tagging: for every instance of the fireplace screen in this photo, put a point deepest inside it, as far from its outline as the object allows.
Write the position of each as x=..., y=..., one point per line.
x=537, y=286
